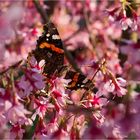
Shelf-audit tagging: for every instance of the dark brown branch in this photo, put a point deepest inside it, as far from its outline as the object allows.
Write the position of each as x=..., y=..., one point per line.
x=41, y=11
x=71, y=61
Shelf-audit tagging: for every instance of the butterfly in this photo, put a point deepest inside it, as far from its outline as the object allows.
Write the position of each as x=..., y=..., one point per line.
x=50, y=48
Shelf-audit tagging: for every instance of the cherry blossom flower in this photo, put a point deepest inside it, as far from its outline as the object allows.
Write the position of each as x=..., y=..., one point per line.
x=16, y=113
x=25, y=87
x=41, y=129
x=3, y=120
x=38, y=67
x=116, y=87
x=41, y=107
x=30, y=81
x=59, y=134
x=125, y=23
x=119, y=15
x=98, y=100
x=16, y=131
x=61, y=99
x=93, y=132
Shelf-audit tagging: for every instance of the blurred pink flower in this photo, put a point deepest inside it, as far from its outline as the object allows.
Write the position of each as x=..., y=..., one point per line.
x=16, y=113
x=32, y=80
x=3, y=120
x=93, y=131
x=16, y=132
x=116, y=86
x=59, y=134
x=41, y=129
x=25, y=87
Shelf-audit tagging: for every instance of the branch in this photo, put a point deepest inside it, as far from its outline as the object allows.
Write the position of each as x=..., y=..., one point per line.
x=41, y=11
x=72, y=35
x=71, y=61
x=11, y=67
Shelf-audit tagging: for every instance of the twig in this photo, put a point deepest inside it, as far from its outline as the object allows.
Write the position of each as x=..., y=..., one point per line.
x=11, y=67
x=71, y=61
x=89, y=31
x=72, y=35
x=133, y=82
x=41, y=11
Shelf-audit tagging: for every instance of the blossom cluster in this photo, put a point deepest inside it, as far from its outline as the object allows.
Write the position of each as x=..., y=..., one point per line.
x=101, y=39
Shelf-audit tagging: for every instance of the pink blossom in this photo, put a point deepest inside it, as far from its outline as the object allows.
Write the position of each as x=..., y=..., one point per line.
x=16, y=113
x=25, y=87
x=3, y=120
x=58, y=84
x=32, y=80
x=41, y=129
x=41, y=107
x=2, y=91
x=98, y=100
x=38, y=67
x=16, y=132
x=116, y=87
x=93, y=132
x=59, y=134
x=52, y=126
x=125, y=23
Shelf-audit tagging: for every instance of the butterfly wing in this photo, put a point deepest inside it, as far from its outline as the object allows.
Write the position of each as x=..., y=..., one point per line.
x=78, y=81
x=50, y=48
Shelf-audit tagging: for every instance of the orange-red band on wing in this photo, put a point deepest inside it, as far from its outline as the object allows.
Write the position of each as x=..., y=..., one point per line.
x=51, y=46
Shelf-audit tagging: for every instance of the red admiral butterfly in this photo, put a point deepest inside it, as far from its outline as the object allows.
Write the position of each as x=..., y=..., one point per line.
x=50, y=48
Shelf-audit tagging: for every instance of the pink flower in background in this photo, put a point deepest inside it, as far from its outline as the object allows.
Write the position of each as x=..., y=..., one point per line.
x=119, y=15
x=32, y=80
x=16, y=131
x=9, y=19
x=25, y=87
x=16, y=113
x=116, y=86
x=93, y=131
x=3, y=120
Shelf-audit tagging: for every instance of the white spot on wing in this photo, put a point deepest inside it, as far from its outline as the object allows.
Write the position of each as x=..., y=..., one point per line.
x=55, y=37
x=47, y=34
x=86, y=80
